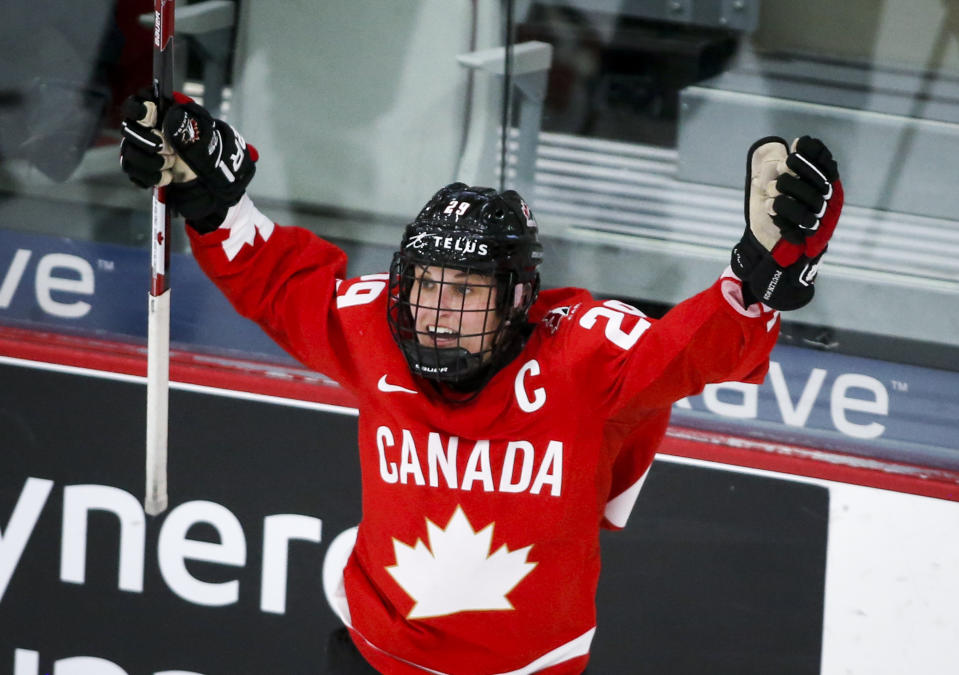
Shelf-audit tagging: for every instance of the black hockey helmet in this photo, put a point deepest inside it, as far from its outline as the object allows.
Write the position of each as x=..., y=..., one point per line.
x=475, y=230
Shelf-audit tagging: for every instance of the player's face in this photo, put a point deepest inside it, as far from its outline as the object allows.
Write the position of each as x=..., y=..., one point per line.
x=454, y=309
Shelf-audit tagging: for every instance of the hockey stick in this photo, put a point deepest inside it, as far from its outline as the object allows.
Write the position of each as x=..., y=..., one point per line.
x=158, y=317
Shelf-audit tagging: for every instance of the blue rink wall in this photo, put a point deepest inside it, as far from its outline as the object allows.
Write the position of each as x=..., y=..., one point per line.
x=721, y=569
x=810, y=397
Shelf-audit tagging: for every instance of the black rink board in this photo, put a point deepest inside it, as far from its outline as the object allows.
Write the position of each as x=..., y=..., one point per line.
x=717, y=572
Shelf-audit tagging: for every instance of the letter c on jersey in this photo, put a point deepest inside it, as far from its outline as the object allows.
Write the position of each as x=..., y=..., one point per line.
x=539, y=394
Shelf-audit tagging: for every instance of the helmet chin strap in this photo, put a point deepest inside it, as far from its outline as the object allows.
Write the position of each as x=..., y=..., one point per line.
x=519, y=294
x=442, y=364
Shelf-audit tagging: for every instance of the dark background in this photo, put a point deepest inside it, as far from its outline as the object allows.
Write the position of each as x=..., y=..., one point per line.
x=717, y=571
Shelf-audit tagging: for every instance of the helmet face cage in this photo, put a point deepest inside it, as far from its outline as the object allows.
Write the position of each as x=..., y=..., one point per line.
x=449, y=321
x=462, y=283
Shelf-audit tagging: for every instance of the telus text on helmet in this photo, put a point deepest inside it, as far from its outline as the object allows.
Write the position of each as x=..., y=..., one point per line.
x=459, y=244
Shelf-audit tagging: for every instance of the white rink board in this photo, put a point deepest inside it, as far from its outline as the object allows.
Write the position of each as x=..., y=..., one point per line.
x=892, y=584
x=892, y=580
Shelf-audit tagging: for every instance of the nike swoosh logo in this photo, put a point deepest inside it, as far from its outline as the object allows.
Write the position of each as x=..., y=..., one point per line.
x=385, y=386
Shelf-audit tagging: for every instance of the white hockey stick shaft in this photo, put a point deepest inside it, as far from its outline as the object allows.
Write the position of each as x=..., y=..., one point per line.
x=158, y=387
x=158, y=322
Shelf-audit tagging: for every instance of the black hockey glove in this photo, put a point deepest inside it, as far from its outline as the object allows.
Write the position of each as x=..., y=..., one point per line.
x=793, y=201
x=146, y=158
x=204, y=161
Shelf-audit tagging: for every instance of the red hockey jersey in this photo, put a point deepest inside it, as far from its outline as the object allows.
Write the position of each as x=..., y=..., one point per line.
x=478, y=552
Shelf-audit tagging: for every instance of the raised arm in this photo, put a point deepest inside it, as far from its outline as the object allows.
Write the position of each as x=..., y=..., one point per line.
x=284, y=278
x=793, y=201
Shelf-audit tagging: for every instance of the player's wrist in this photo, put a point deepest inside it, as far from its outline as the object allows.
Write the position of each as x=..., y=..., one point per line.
x=230, y=217
x=208, y=223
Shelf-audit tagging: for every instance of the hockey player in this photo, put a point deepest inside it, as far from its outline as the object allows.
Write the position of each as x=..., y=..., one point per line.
x=500, y=426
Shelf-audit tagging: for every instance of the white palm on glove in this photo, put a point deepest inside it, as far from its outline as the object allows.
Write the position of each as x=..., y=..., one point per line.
x=793, y=201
